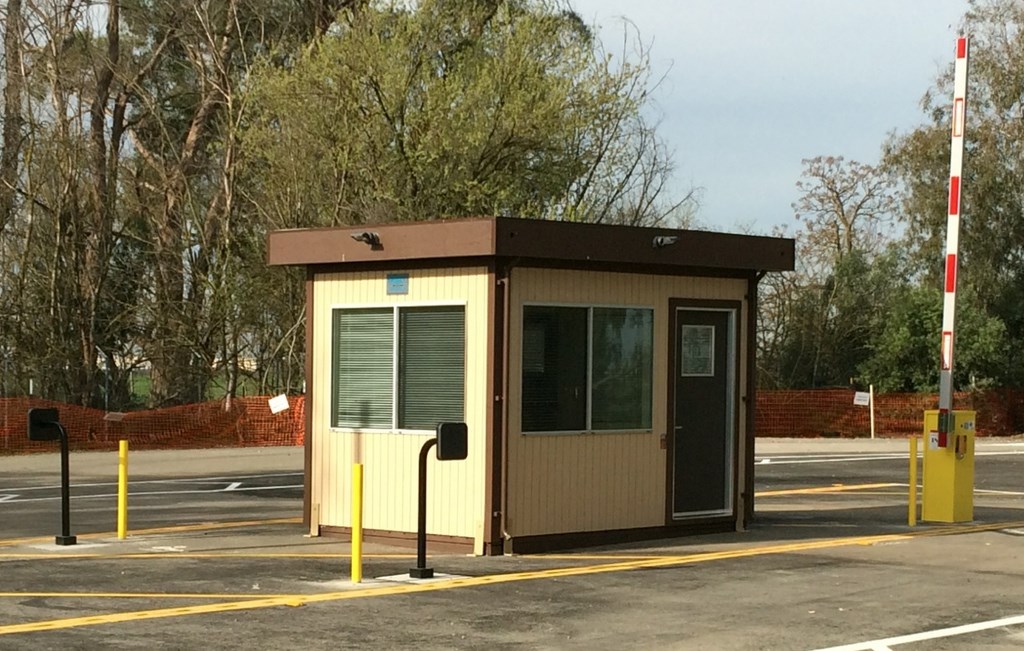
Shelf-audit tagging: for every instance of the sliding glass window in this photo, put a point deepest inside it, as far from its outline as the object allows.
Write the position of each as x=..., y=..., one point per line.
x=586, y=369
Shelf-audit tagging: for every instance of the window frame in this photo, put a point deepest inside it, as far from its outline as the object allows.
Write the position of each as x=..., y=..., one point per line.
x=395, y=361
x=589, y=307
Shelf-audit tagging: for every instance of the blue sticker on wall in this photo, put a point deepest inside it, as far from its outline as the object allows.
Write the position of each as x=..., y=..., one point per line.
x=398, y=283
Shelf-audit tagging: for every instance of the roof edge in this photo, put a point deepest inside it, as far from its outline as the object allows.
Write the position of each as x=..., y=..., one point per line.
x=555, y=241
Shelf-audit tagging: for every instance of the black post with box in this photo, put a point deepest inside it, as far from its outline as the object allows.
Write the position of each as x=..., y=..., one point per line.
x=452, y=443
x=44, y=425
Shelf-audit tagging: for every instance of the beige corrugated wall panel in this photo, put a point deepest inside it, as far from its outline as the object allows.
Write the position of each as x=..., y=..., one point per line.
x=559, y=483
x=390, y=460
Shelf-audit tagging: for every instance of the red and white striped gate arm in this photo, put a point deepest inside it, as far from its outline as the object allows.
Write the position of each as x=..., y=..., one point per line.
x=956, y=158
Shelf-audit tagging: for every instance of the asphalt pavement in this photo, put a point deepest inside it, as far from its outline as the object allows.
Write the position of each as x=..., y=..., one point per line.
x=829, y=562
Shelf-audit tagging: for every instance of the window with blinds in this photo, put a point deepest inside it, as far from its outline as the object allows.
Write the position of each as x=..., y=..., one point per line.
x=424, y=388
x=362, y=368
x=431, y=370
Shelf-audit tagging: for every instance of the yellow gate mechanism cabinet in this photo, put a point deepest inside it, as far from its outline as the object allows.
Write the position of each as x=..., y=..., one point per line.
x=948, y=490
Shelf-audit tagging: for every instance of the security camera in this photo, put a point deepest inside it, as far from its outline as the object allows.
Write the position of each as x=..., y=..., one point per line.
x=662, y=241
x=369, y=237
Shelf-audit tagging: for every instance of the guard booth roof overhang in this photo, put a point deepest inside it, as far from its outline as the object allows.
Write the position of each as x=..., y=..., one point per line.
x=606, y=375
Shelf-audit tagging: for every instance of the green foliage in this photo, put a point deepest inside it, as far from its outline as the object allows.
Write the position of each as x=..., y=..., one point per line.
x=991, y=242
x=452, y=109
x=149, y=146
x=905, y=350
x=876, y=318
x=818, y=327
x=833, y=323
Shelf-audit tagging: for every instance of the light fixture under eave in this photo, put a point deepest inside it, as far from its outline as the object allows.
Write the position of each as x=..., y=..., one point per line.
x=370, y=237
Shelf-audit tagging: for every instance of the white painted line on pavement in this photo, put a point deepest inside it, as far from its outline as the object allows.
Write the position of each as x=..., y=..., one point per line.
x=811, y=455
x=792, y=460
x=234, y=489
x=786, y=461
x=227, y=477
x=991, y=491
x=877, y=645
x=169, y=480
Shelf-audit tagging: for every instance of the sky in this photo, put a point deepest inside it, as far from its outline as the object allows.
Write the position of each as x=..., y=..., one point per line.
x=753, y=87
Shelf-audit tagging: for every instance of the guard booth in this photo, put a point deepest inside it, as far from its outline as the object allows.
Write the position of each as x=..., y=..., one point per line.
x=605, y=374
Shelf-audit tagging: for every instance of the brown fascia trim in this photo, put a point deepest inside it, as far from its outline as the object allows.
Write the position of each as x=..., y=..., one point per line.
x=403, y=265
x=545, y=242
x=452, y=263
x=633, y=245
x=497, y=338
x=405, y=539
x=307, y=454
x=407, y=241
x=544, y=543
x=751, y=389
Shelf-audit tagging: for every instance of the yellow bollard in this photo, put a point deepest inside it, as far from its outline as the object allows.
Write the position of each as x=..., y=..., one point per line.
x=912, y=505
x=357, y=523
x=122, y=489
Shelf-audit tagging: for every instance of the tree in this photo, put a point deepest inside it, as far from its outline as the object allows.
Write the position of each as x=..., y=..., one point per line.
x=184, y=105
x=116, y=188
x=844, y=206
x=13, y=108
x=827, y=329
x=817, y=324
x=149, y=146
x=991, y=243
x=455, y=108
x=57, y=236
x=904, y=348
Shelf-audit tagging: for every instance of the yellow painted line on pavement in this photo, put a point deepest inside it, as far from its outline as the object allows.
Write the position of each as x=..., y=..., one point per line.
x=668, y=561
x=181, y=528
x=595, y=557
x=836, y=488
x=218, y=555
x=140, y=595
x=954, y=529
x=208, y=526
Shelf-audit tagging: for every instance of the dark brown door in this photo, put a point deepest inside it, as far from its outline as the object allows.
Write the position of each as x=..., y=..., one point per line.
x=704, y=412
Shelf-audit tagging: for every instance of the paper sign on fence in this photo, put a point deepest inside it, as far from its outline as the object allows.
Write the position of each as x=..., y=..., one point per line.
x=278, y=403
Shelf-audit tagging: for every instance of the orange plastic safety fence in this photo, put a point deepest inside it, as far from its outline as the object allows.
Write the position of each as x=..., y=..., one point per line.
x=832, y=413
x=242, y=422
x=248, y=422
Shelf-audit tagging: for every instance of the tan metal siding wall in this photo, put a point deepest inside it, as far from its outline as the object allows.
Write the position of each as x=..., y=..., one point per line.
x=560, y=483
x=456, y=488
